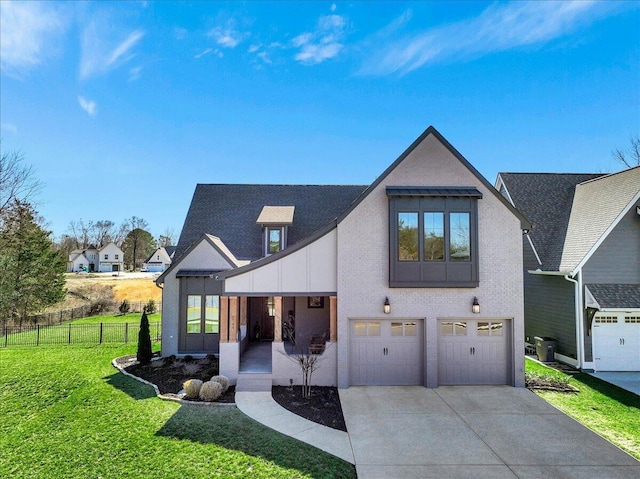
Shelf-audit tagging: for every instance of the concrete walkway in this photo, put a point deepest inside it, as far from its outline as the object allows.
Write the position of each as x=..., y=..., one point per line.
x=452, y=432
x=262, y=407
x=625, y=380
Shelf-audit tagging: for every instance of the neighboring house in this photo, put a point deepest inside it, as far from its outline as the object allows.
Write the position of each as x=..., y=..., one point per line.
x=83, y=260
x=582, y=264
x=415, y=279
x=111, y=258
x=159, y=260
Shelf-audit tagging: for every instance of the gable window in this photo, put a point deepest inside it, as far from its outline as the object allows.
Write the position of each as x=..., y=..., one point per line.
x=106, y=256
x=433, y=237
x=274, y=240
x=116, y=256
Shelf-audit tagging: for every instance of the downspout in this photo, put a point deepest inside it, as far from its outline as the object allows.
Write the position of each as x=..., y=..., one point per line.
x=579, y=339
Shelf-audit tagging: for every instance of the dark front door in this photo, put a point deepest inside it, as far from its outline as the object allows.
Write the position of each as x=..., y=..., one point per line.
x=266, y=321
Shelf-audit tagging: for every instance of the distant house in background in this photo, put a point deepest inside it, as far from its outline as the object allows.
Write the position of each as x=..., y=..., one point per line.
x=83, y=260
x=111, y=258
x=106, y=259
x=582, y=264
x=160, y=260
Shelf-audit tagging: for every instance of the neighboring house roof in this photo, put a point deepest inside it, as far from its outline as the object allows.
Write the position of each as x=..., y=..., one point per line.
x=545, y=199
x=619, y=296
x=230, y=211
x=170, y=250
x=597, y=207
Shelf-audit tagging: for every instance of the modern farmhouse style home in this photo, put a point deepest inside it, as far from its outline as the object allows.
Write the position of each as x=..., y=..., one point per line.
x=415, y=279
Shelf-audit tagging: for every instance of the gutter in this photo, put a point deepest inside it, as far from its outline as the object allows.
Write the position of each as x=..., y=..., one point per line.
x=579, y=320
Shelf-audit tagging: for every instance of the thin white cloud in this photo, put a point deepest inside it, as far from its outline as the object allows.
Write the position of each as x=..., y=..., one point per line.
x=28, y=34
x=253, y=48
x=99, y=56
x=499, y=27
x=11, y=128
x=135, y=73
x=89, y=106
x=227, y=35
x=323, y=43
x=204, y=52
x=124, y=47
x=180, y=33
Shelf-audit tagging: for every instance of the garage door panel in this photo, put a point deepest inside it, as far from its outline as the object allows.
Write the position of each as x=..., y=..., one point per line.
x=477, y=353
x=616, y=341
x=380, y=357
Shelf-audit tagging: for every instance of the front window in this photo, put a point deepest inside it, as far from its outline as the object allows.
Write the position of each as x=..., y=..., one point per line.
x=212, y=314
x=433, y=237
x=117, y=256
x=194, y=314
x=196, y=322
x=408, y=236
x=106, y=256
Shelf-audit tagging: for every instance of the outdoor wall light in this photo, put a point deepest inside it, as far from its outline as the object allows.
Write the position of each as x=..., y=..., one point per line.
x=475, y=306
x=387, y=306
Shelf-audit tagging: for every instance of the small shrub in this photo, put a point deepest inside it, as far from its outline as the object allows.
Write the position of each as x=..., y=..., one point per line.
x=170, y=359
x=223, y=380
x=192, y=388
x=188, y=358
x=210, y=391
x=150, y=307
x=124, y=307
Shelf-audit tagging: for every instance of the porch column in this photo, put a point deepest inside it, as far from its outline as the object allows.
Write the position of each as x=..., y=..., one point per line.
x=224, y=319
x=333, y=318
x=233, y=319
x=277, y=320
x=243, y=311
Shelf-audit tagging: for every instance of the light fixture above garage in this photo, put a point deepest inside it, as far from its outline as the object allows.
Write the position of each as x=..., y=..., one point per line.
x=387, y=306
x=475, y=306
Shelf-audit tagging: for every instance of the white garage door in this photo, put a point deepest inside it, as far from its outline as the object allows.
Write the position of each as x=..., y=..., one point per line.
x=386, y=352
x=616, y=341
x=474, y=352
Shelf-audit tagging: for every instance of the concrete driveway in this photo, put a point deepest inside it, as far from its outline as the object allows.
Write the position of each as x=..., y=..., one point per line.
x=473, y=432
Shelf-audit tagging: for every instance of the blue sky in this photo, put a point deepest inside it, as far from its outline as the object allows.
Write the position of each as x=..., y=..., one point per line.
x=122, y=107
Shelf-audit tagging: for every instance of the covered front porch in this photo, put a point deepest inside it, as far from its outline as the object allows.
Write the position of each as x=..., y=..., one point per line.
x=260, y=334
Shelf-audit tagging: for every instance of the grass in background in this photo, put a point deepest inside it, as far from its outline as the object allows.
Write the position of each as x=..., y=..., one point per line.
x=612, y=412
x=117, y=318
x=66, y=412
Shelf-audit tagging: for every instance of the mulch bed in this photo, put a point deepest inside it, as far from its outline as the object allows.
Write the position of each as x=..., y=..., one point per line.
x=170, y=374
x=323, y=407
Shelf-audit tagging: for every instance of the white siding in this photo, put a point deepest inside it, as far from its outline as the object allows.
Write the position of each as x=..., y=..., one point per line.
x=308, y=270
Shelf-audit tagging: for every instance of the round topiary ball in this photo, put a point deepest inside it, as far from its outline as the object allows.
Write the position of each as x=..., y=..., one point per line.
x=192, y=388
x=223, y=380
x=210, y=391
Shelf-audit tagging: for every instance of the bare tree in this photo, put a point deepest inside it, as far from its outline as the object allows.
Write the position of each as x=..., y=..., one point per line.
x=168, y=238
x=102, y=232
x=80, y=232
x=629, y=157
x=17, y=180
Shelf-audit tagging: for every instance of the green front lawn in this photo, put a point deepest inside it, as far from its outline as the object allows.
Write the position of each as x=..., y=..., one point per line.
x=66, y=412
x=606, y=409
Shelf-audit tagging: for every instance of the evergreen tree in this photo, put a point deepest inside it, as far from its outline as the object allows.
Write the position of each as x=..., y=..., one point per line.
x=31, y=271
x=144, y=340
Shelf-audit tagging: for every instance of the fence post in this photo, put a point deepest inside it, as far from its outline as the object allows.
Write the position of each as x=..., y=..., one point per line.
x=38, y=336
x=101, y=333
x=6, y=334
x=126, y=333
x=60, y=316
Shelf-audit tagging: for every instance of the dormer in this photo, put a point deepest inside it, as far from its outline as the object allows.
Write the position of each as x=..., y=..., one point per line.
x=275, y=221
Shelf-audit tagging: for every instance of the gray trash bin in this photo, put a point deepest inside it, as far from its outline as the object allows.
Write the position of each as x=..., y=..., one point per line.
x=545, y=348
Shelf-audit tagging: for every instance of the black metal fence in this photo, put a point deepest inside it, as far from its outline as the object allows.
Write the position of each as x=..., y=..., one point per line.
x=96, y=333
x=66, y=315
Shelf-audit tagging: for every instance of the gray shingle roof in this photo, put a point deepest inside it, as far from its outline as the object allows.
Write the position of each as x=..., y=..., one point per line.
x=230, y=211
x=616, y=295
x=546, y=200
x=596, y=206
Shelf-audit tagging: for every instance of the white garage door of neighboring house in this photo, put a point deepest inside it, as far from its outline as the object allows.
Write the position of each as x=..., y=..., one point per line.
x=386, y=352
x=474, y=351
x=616, y=341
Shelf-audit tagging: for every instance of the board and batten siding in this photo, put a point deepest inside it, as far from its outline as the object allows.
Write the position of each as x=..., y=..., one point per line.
x=617, y=260
x=549, y=310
